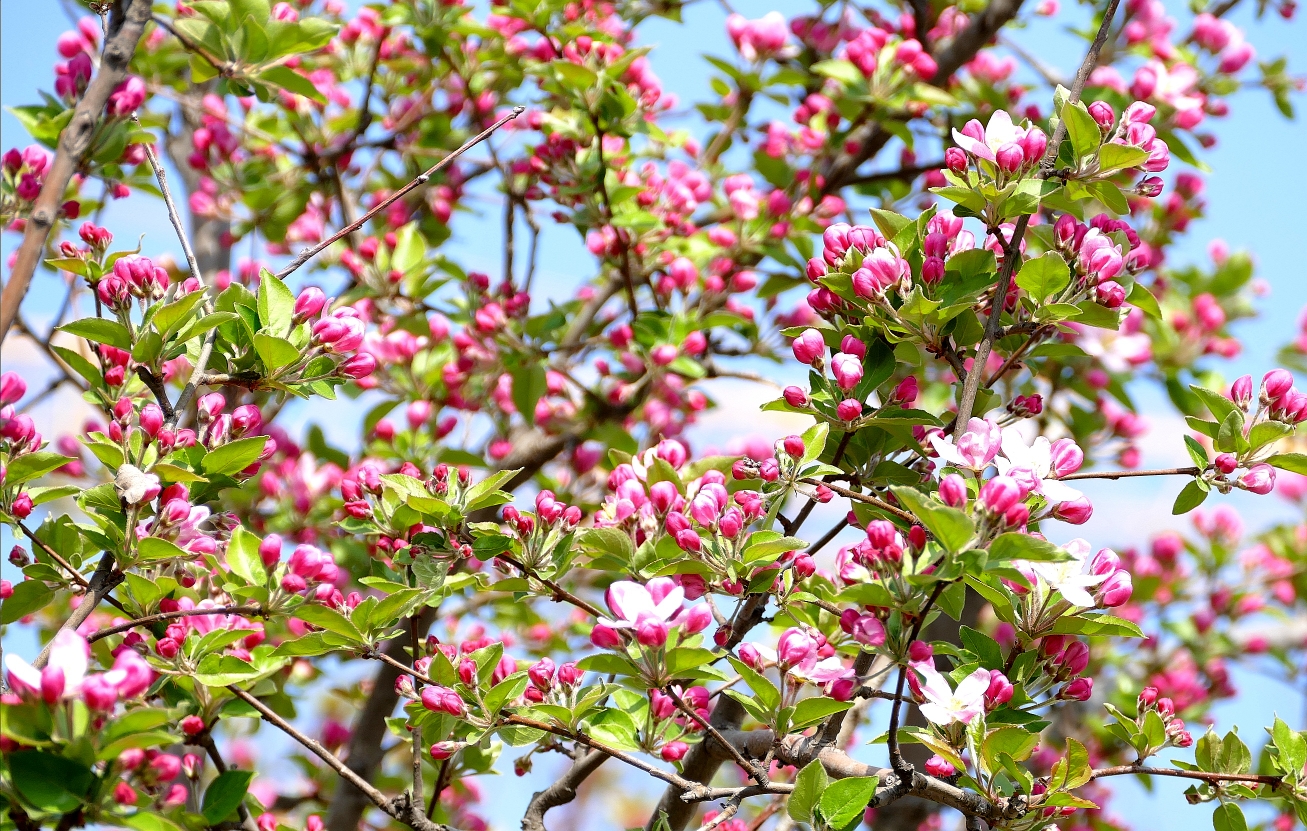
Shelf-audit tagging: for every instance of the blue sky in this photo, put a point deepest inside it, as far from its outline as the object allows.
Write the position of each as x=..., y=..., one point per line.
x=1253, y=194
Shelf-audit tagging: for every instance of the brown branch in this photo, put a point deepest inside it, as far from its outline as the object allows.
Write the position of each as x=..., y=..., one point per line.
x=863, y=497
x=1127, y=474
x=127, y=22
x=1201, y=775
x=364, y=753
x=173, y=215
x=54, y=555
x=561, y=792
x=759, y=776
x=256, y=610
x=560, y=594
x=103, y=581
x=309, y=253
x=897, y=762
x=205, y=740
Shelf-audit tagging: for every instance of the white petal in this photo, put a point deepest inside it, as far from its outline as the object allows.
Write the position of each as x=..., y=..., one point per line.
x=936, y=714
x=1057, y=492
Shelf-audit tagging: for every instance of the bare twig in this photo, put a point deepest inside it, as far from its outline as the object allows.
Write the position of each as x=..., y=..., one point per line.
x=1128, y=474
x=255, y=610
x=1201, y=775
x=309, y=253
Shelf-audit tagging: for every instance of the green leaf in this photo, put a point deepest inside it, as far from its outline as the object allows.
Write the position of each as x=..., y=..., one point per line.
x=1196, y=451
x=243, y=557
x=1014, y=546
x=1044, y=276
x=1294, y=462
x=763, y=689
x=329, y=619
x=33, y=466
x=168, y=319
x=276, y=304
x=29, y=596
x=1096, y=625
x=1190, y=497
x=486, y=492
x=1229, y=817
x=808, y=787
x=235, y=456
x=291, y=81
x=687, y=658
x=100, y=330
x=844, y=801
x=410, y=249
x=1081, y=128
x=812, y=710
x=765, y=544
x=950, y=526
x=216, y=670
x=529, y=384
x=225, y=794
x=275, y=352
x=1291, y=745
x=575, y=77
x=155, y=548
x=1120, y=156
x=607, y=541
x=1143, y=298
x=52, y=783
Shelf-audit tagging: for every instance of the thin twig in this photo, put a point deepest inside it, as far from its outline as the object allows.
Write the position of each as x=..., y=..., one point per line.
x=255, y=610
x=309, y=253
x=173, y=215
x=1201, y=775
x=896, y=760
x=1128, y=474
x=745, y=763
x=863, y=497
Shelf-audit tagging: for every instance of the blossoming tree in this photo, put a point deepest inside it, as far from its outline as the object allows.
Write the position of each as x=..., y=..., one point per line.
x=525, y=556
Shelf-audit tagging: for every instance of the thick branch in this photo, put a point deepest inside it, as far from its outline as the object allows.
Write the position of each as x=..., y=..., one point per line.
x=127, y=22
x=103, y=581
x=561, y=792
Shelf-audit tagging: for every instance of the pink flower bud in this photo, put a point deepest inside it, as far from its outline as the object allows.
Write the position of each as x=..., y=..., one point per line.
x=849, y=409
x=1103, y=115
x=12, y=388
x=541, y=674
x=1275, y=384
x=1079, y=689
x=955, y=158
x=673, y=751
x=605, y=637
x=795, y=397
x=1065, y=457
x=309, y=303
x=1259, y=479
x=1241, y=391
x=1116, y=590
x=651, y=632
x=1226, y=462
x=441, y=751
x=847, y=370
x=999, y=691
x=868, y=630
x=123, y=794
x=953, y=491
x=999, y=494
x=809, y=347
x=793, y=445
x=794, y=647
x=192, y=725
x=1009, y=157
x=939, y=767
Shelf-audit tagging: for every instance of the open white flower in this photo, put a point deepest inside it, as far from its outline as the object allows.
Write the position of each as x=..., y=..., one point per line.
x=944, y=705
x=1070, y=577
x=1033, y=463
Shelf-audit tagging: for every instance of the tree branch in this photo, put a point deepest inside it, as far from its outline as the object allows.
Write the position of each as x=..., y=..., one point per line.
x=127, y=22
x=309, y=253
x=1012, y=246
x=561, y=792
x=256, y=610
